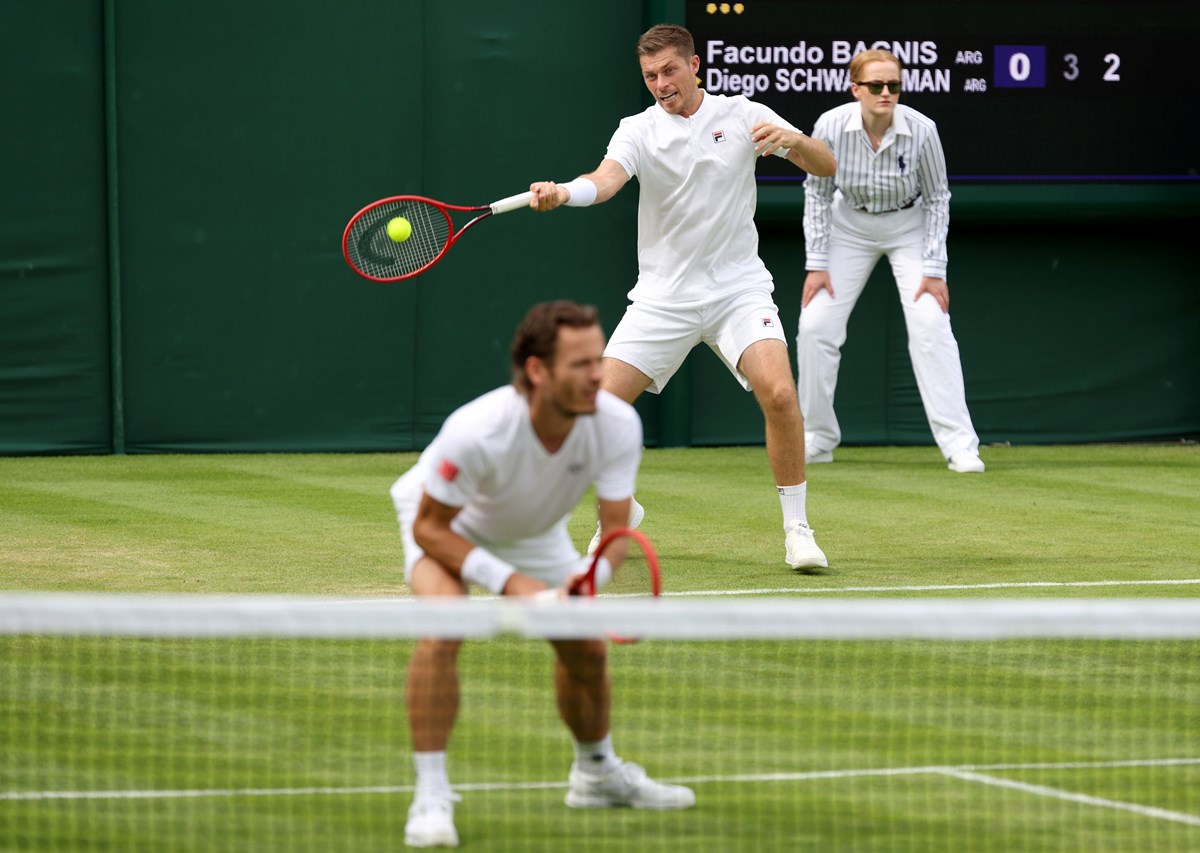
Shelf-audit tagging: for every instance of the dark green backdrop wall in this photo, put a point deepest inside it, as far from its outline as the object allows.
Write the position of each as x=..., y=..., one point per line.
x=176, y=178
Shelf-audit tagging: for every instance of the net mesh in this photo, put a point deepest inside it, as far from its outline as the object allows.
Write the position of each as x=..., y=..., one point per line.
x=269, y=724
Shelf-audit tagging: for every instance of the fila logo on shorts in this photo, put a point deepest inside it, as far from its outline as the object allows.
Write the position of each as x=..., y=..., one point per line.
x=718, y=136
x=448, y=471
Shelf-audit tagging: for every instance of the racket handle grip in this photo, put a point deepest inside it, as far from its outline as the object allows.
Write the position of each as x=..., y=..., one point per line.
x=513, y=202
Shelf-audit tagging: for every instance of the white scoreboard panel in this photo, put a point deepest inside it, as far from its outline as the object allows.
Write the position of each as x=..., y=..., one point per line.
x=1054, y=91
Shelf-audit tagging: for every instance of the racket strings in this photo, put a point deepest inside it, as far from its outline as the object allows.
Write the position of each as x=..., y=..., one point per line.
x=632, y=580
x=640, y=574
x=374, y=252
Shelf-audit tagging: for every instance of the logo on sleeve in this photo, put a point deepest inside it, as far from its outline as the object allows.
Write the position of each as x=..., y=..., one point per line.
x=448, y=471
x=718, y=136
x=768, y=321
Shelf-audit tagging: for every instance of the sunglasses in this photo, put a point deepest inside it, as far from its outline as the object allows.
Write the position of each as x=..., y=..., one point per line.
x=875, y=87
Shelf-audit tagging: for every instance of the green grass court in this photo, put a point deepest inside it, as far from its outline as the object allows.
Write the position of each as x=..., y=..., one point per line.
x=1017, y=745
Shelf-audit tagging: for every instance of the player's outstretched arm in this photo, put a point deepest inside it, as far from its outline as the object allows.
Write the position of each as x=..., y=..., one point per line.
x=811, y=155
x=607, y=179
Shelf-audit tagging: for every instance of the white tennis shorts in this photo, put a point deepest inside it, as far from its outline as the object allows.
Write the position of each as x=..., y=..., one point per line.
x=657, y=340
x=551, y=557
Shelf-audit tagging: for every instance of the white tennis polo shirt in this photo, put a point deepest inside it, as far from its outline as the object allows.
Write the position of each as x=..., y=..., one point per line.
x=696, y=237
x=488, y=460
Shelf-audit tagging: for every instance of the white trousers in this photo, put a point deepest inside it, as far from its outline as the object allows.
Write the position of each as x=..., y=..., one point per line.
x=858, y=241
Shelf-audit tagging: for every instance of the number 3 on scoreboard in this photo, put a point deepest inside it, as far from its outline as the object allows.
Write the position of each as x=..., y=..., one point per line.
x=1072, y=63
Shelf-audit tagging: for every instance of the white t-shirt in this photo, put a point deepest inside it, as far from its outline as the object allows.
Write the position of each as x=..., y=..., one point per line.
x=696, y=237
x=515, y=496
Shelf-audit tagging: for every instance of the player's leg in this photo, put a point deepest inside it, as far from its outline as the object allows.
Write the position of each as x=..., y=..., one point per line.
x=644, y=352
x=765, y=364
x=598, y=778
x=432, y=693
x=745, y=333
x=935, y=357
x=432, y=697
x=822, y=330
x=582, y=688
x=432, y=690
x=623, y=380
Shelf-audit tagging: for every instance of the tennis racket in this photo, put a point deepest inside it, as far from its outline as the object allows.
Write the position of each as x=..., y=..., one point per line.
x=374, y=255
x=639, y=575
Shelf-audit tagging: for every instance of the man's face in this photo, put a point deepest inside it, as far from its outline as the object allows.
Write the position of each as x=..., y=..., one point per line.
x=572, y=379
x=671, y=79
x=883, y=104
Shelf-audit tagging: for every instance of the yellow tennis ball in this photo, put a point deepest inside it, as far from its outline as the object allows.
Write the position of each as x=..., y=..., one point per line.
x=399, y=229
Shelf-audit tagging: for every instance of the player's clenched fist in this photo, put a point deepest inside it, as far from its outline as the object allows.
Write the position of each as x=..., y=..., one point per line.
x=547, y=195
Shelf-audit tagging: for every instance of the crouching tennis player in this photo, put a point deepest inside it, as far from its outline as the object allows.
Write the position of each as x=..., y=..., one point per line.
x=487, y=504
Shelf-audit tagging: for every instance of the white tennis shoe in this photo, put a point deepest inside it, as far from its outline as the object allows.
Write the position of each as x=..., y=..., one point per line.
x=816, y=457
x=626, y=785
x=431, y=820
x=966, y=462
x=636, y=513
x=801, y=549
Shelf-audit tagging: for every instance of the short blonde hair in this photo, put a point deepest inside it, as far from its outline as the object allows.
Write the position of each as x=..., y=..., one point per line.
x=860, y=61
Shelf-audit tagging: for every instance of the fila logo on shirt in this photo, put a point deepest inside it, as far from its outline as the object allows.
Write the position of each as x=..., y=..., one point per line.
x=768, y=321
x=718, y=136
x=448, y=471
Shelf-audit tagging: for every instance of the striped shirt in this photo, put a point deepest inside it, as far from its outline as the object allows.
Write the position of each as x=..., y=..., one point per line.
x=910, y=163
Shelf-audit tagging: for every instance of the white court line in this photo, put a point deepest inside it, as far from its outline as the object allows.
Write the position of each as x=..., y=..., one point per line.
x=841, y=589
x=936, y=587
x=1086, y=799
x=967, y=769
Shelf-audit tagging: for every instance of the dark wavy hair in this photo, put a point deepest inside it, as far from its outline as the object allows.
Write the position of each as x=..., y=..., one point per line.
x=538, y=333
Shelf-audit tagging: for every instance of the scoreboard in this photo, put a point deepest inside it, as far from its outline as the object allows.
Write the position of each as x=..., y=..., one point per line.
x=1055, y=91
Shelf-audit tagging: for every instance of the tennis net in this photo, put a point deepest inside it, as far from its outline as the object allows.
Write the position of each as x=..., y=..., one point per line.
x=263, y=723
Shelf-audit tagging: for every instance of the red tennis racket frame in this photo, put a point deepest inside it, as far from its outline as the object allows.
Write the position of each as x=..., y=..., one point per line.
x=371, y=253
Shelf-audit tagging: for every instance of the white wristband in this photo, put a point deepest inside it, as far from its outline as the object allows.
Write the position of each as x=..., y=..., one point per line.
x=485, y=569
x=583, y=192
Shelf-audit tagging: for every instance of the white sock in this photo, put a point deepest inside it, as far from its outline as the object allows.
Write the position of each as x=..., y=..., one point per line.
x=791, y=498
x=431, y=771
x=596, y=757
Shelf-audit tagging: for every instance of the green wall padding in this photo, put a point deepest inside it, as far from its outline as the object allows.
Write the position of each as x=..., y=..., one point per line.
x=245, y=135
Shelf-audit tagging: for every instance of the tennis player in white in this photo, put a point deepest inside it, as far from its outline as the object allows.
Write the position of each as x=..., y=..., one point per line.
x=487, y=503
x=700, y=279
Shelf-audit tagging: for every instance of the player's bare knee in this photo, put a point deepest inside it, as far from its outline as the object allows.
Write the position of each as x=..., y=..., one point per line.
x=778, y=399
x=431, y=578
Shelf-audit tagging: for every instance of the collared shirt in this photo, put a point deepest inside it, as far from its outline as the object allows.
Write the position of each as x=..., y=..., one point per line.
x=697, y=242
x=909, y=163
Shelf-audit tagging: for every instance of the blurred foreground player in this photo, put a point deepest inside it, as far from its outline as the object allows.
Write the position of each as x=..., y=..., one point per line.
x=487, y=504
